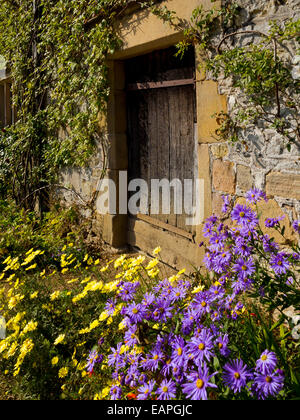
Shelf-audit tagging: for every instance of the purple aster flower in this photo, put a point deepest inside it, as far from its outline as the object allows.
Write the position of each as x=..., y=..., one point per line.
x=188, y=321
x=209, y=226
x=92, y=359
x=145, y=390
x=114, y=357
x=162, y=310
x=148, y=299
x=268, y=385
x=128, y=290
x=136, y=312
x=240, y=285
x=296, y=225
x=279, y=263
x=179, y=352
x=268, y=244
x=244, y=216
x=222, y=343
x=115, y=392
x=153, y=360
x=266, y=363
x=226, y=203
x=254, y=196
x=196, y=388
x=242, y=248
x=221, y=262
x=110, y=306
x=244, y=268
x=236, y=375
x=216, y=292
x=167, y=368
x=202, y=302
x=217, y=242
x=272, y=222
x=178, y=293
x=201, y=347
x=166, y=391
x=130, y=337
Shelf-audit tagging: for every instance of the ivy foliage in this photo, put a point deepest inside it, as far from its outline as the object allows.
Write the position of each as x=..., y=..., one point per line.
x=58, y=66
x=261, y=69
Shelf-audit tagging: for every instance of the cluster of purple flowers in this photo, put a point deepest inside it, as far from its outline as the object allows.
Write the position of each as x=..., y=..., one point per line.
x=174, y=334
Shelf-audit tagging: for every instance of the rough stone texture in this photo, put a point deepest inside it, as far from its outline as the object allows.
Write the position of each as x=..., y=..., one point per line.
x=219, y=150
x=217, y=204
x=265, y=163
x=224, y=176
x=283, y=185
x=244, y=178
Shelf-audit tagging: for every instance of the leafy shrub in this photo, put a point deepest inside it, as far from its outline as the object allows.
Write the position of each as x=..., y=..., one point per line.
x=22, y=230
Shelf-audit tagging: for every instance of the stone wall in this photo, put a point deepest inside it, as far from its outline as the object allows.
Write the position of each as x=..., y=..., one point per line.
x=265, y=162
x=226, y=168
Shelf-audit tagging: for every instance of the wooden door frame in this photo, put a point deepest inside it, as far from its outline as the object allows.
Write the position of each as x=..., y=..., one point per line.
x=177, y=249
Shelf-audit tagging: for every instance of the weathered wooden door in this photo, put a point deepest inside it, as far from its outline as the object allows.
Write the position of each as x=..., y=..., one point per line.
x=161, y=107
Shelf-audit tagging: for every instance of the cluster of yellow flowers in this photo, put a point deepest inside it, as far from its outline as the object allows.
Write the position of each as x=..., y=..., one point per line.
x=91, y=279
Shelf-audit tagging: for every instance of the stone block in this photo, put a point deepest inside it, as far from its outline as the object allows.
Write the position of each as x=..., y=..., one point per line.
x=285, y=185
x=224, y=176
x=244, y=178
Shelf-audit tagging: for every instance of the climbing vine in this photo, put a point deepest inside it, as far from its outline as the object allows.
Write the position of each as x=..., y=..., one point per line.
x=262, y=69
x=56, y=53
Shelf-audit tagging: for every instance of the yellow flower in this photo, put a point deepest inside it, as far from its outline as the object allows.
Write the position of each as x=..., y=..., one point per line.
x=122, y=325
x=120, y=261
x=34, y=295
x=198, y=289
x=94, y=325
x=157, y=250
x=63, y=372
x=55, y=295
x=72, y=281
x=32, y=267
x=103, y=316
x=152, y=264
x=54, y=361
x=31, y=326
x=59, y=339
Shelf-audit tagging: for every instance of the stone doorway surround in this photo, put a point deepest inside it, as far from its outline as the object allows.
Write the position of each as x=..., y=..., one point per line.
x=142, y=33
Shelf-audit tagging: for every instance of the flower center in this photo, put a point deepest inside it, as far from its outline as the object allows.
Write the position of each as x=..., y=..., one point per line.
x=179, y=351
x=268, y=379
x=244, y=268
x=203, y=304
x=134, y=311
x=220, y=345
x=242, y=214
x=201, y=346
x=264, y=358
x=155, y=357
x=237, y=375
x=200, y=384
x=146, y=391
x=165, y=389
